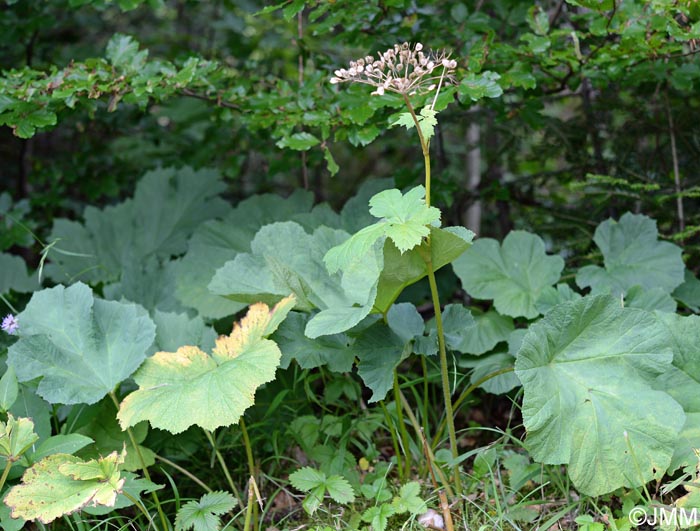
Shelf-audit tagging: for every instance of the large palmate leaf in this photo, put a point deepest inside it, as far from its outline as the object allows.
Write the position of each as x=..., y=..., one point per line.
x=174, y=330
x=189, y=387
x=14, y=275
x=484, y=366
x=80, y=347
x=587, y=370
x=166, y=208
x=62, y=484
x=474, y=334
x=380, y=351
x=403, y=269
x=551, y=296
x=682, y=382
x=333, y=350
x=284, y=258
x=405, y=220
x=689, y=292
x=633, y=256
x=215, y=242
x=650, y=299
x=150, y=283
x=513, y=274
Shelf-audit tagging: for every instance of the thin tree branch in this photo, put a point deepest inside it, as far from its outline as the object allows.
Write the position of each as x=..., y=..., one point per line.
x=676, y=171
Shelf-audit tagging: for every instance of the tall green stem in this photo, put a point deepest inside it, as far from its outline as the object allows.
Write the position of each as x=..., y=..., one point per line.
x=465, y=394
x=414, y=421
x=140, y=507
x=425, y=148
x=222, y=464
x=142, y=462
x=5, y=473
x=402, y=427
x=394, y=439
x=251, y=463
x=185, y=472
x=444, y=373
x=447, y=395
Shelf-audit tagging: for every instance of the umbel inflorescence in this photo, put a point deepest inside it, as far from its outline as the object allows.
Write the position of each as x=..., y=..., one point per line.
x=404, y=69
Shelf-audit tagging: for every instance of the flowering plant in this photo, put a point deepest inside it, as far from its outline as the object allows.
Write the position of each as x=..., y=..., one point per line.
x=10, y=324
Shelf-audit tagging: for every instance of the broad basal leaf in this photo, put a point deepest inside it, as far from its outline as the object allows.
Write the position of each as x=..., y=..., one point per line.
x=474, y=334
x=633, y=256
x=405, y=321
x=380, y=351
x=166, y=208
x=189, y=387
x=682, y=382
x=150, y=283
x=689, y=292
x=215, y=242
x=133, y=489
x=650, y=299
x=29, y=405
x=63, y=484
x=284, y=258
x=174, y=330
x=551, y=296
x=80, y=347
x=513, y=275
x=406, y=220
x=60, y=444
x=587, y=370
x=484, y=366
x=14, y=275
x=333, y=350
x=9, y=389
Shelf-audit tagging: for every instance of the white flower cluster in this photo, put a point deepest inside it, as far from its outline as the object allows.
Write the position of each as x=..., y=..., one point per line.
x=403, y=69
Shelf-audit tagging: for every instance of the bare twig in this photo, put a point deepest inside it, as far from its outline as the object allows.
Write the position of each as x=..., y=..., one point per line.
x=676, y=171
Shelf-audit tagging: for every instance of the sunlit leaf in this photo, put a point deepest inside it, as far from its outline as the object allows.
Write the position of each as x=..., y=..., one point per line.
x=16, y=436
x=62, y=484
x=189, y=387
x=80, y=347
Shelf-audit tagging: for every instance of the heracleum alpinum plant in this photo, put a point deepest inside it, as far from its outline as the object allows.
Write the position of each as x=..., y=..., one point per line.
x=408, y=70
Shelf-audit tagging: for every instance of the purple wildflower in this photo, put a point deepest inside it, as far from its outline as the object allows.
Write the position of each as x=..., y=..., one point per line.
x=10, y=324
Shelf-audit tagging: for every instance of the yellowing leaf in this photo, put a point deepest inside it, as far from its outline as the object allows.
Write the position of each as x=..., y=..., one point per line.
x=62, y=484
x=189, y=387
x=16, y=436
